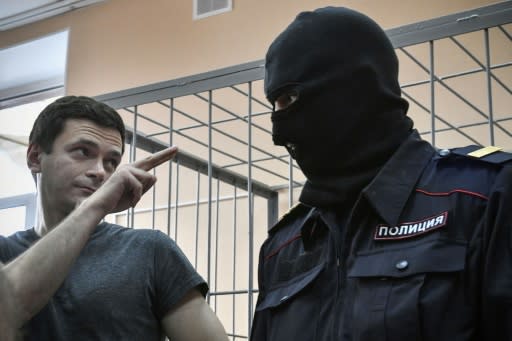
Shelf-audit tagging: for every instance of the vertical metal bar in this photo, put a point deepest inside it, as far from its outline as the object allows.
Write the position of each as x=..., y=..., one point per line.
x=133, y=149
x=30, y=210
x=176, y=201
x=217, y=205
x=489, y=85
x=250, y=202
x=153, y=198
x=432, y=94
x=153, y=204
x=272, y=210
x=169, y=188
x=234, y=258
x=290, y=181
x=209, y=218
x=198, y=182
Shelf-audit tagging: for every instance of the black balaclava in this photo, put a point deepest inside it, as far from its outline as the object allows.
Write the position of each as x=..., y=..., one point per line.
x=349, y=116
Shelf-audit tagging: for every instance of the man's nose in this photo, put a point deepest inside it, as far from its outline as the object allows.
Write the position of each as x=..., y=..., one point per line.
x=97, y=170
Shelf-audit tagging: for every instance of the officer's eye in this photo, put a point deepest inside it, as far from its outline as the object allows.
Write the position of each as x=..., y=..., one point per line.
x=285, y=100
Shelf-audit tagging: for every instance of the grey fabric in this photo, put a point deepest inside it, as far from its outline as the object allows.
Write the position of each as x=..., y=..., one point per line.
x=122, y=284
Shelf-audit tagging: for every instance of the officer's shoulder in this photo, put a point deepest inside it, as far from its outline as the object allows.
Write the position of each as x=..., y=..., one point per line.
x=298, y=210
x=490, y=155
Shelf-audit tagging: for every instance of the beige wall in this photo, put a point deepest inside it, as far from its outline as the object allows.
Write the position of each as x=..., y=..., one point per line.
x=122, y=44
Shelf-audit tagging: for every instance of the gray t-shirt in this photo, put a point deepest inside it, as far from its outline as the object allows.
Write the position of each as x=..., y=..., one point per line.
x=122, y=284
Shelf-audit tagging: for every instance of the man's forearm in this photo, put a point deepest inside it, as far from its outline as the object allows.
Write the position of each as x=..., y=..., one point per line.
x=193, y=320
x=7, y=330
x=36, y=274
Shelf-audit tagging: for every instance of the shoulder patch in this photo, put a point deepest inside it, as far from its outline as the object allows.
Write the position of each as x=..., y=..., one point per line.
x=489, y=154
x=293, y=212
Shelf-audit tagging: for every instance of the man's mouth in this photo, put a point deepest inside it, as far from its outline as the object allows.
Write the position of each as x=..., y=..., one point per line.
x=87, y=189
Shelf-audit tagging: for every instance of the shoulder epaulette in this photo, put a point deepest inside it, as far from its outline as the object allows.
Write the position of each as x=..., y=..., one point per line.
x=293, y=212
x=489, y=154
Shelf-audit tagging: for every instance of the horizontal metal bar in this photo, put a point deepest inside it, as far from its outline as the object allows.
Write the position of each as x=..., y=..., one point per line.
x=463, y=73
x=505, y=32
x=182, y=205
x=264, y=104
x=237, y=336
x=185, y=86
x=450, y=25
x=18, y=200
x=190, y=161
x=412, y=99
x=29, y=97
x=459, y=23
x=227, y=120
x=233, y=292
x=216, y=149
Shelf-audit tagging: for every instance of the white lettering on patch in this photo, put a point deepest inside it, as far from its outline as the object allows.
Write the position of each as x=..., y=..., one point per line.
x=412, y=229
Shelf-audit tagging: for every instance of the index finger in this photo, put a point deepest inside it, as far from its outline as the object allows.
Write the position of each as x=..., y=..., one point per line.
x=156, y=159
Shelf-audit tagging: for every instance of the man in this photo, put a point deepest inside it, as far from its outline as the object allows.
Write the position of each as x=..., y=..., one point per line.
x=125, y=284
x=392, y=239
x=28, y=282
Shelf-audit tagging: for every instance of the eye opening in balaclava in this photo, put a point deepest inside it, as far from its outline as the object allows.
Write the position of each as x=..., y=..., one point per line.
x=349, y=117
x=284, y=112
x=285, y=100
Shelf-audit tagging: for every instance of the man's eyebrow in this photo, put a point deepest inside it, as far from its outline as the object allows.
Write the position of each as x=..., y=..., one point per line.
x=115, y=154
x=83, y=141
x=92, y=144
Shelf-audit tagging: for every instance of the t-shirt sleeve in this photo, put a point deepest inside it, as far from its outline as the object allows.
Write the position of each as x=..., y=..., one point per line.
x=174, y=275
x=3, y=249
x=8, y=250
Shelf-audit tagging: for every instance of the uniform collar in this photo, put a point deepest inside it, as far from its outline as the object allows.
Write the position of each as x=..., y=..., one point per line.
x=391, y=188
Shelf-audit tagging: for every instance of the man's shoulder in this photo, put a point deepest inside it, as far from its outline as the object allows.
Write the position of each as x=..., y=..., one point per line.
x=28, y=234
x=297, y=212
x=145, y=242
x=471, y=168
x=477, y=156
x=125, y=234
x=21, y=237
x=115, y=228
x=13, y=245
x=470, y=160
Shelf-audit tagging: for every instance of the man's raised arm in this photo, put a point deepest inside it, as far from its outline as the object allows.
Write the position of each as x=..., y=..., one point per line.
x=31, y=279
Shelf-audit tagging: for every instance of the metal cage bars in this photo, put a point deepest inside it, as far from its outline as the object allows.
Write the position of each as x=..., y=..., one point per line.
x=233, y=78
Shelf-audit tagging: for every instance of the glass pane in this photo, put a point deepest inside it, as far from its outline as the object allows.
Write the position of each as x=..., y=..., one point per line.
x=12, y=220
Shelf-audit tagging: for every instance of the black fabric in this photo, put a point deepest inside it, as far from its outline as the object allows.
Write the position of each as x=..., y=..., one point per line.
x=349, y=117
x=457, y=279
x=120, y=287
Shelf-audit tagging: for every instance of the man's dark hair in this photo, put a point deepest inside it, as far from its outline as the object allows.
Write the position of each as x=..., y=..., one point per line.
x=50, y=122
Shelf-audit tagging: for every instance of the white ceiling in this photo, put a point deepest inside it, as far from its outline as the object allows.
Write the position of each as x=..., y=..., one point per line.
x=14, y=13
x=33, y=61
x=14, y=7
x=27, y=69
x=32, y=67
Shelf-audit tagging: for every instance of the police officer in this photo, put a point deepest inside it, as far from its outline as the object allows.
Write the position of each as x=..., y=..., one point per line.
x=392, y=239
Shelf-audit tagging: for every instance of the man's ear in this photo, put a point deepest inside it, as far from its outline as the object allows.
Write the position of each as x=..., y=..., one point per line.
x=34, y=153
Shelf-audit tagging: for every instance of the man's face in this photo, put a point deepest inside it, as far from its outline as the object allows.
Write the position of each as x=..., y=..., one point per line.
x=83, y=157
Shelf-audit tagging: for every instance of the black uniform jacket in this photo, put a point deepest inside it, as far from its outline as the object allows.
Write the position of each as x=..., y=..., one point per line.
x=425, y=254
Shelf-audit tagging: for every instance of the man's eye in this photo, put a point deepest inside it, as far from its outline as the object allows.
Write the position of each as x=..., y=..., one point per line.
x=81, y=151
x=111, y=165
x=285, y=100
